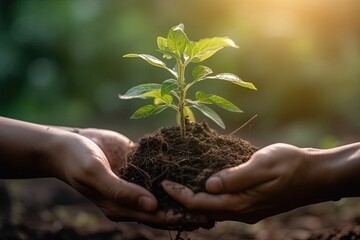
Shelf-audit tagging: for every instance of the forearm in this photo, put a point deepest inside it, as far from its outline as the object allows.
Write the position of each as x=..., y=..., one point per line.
x=26, y=149
x=342, y=170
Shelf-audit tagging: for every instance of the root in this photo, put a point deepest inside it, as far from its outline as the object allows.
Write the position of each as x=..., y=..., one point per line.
x=144, y=173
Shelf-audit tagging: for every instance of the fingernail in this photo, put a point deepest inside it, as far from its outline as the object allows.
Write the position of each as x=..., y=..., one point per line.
x=214, y=184
x=165, y=183
x=169, y=186
x=146, y=203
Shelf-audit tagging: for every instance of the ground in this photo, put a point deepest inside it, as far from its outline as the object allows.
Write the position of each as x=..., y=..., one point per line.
x=48, y=209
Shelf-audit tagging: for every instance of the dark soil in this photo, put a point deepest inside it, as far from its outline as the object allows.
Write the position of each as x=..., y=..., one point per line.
x=190, y=161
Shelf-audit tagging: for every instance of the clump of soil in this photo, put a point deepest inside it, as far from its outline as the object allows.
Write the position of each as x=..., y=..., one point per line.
x=190, y=161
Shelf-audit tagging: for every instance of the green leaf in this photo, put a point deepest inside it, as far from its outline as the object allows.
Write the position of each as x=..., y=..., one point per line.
x=201, y=71
x=163, y=48
x=139, y=90
x=152, y=61
x=160, y=108
x=169, y=85
x=205, y=48
x=167, y=54
x=148, y=58
x=202, y=97
x=162, y=43
x=233, y=79
x=158, y=98
x=215, y=99
x=223, y=103
x=210, y=114
x=148, y=110
x=177, y=40
x=188, y=113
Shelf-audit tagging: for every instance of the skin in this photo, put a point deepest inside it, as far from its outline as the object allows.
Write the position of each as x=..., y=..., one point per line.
x=87, y=160
x=276, y=179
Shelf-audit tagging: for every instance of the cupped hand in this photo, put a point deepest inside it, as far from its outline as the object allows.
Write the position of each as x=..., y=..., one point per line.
x=114, y=145
x=90, y=162
x=276, y=179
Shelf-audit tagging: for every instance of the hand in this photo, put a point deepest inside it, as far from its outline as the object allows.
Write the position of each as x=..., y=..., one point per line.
x=91, y=168
x=114, y=145
x=276, y=179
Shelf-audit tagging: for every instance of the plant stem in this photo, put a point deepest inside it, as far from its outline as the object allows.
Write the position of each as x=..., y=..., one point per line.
x=181, y=80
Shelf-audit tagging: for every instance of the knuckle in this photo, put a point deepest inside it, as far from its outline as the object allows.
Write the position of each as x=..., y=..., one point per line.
x=190, y=205
x=116, y=193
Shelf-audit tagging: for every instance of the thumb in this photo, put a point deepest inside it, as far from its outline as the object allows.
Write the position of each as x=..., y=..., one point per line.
x=236, y=179
x=111, y=187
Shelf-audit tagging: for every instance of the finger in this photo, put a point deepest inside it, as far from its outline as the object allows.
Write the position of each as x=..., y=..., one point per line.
x=202, y=202
x=132, y=195
x=172, y=220
x=168, y=220
x=255, y=214
x=124, y=193
x=240, y=178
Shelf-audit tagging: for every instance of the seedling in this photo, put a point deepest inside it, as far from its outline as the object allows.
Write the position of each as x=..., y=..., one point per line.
x=172, y=93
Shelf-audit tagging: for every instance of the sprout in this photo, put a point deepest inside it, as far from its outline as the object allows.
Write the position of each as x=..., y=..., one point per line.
x=172, y=93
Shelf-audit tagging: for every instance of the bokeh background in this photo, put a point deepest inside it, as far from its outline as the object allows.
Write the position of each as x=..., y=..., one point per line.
x=61, y=63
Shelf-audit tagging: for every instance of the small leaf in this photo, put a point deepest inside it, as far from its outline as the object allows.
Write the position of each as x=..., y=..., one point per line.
x=139, y=90
x=167, y=54
x=215, y=99
x=163, y=48
x=234, y=79
x=177, y=40
x=210, y=114
x=158, y=98
x=223, y=103
x=202, y=97
x=160, y=108
x=189, y=49
x=152, y=61
x=201, y=71
x=205, y=48
x=169, y=85
x=148, y=58
x=204, y=55
x=148, y=110
x=187, y=113
x=162, y=43
x=167, y=99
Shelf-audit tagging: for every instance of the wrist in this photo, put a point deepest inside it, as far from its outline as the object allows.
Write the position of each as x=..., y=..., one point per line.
x=336, y=170
x=346, y=169
x=323, y=168
x=54, y=152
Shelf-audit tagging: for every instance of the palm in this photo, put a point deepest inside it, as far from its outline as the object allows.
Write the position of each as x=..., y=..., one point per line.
x=114, y=145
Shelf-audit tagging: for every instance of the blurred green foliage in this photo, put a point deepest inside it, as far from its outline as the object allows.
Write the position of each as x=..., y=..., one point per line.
x=60, y=62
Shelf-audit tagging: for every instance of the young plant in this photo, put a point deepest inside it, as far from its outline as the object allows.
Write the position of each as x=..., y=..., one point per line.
x=172, y=93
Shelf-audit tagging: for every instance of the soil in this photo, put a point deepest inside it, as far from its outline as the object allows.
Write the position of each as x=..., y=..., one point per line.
x=189, y=161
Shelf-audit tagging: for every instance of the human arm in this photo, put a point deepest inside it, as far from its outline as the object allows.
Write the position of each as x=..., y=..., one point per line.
x=277, y=178
x=86, y=159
